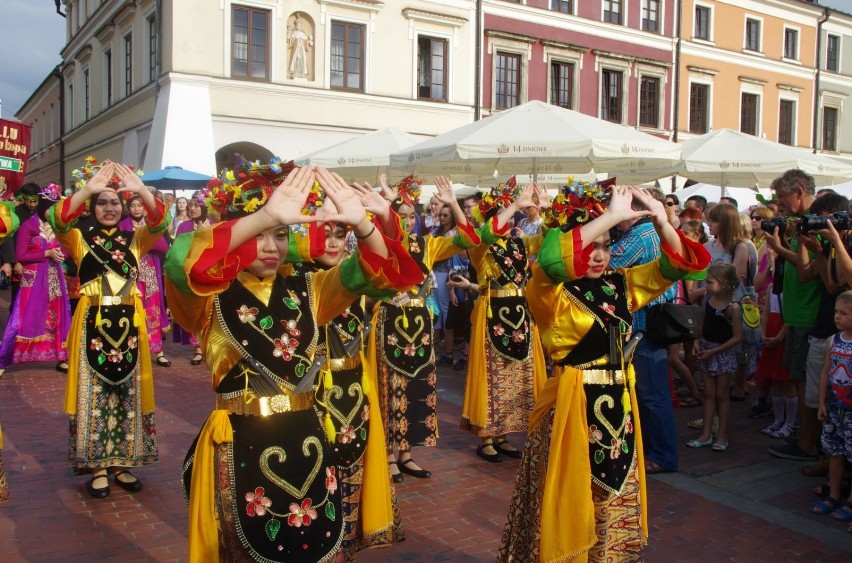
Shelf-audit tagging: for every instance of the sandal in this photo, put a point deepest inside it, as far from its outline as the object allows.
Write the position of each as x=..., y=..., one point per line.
x=843, y=514
x=163, y=361
x=689, y=402
x=826, y=506
x=197, y=358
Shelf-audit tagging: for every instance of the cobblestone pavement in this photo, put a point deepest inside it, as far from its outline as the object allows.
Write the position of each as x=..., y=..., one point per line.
x=741, y=505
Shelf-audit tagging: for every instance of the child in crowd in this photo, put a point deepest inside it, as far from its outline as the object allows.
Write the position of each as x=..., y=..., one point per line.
x=721, y=333
x=835, y=410
x=771, y=369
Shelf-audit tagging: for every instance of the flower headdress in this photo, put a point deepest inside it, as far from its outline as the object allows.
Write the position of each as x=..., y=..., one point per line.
x=90, y=168
x=408, y=190
x=577, y=203
x=246, y=187
x=499, y=197
x=51, y=192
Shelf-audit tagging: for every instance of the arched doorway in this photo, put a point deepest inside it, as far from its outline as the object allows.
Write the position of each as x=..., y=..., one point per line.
x=250, y=151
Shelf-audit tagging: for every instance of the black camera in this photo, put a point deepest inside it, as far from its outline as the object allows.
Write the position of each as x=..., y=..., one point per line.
x=457, y=274
x=840, y=220
x=769, y=225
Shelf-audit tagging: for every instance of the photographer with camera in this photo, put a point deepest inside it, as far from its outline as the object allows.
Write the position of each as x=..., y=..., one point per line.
x=802, y=293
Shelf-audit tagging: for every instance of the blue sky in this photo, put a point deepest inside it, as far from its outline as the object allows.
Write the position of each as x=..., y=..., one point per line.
x=34, y=34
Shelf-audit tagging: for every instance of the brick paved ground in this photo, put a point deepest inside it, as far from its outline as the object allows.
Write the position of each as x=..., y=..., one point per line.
x=740, y=505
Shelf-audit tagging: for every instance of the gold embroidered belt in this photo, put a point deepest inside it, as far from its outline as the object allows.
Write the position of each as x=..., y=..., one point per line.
x=507, y=292
x=341, y=364
x=603, y=377
x=415, y=302
x=108, y=300
x=265, y=406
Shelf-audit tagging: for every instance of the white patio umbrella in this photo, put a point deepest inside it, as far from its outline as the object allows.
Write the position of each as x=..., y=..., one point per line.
x=746, y=197
x=729, y=158
x=538, y=138
x=362, y=158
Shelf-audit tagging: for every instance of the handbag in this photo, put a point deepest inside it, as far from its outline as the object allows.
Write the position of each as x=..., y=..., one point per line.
x=751, y=323
x=671, y=323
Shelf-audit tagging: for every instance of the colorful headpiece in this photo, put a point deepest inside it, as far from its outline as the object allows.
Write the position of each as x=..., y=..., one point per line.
x=246, y=187
x=499, y=197
x=577, y=203
x=85, y=173
x=51, y=192
x=408, y=190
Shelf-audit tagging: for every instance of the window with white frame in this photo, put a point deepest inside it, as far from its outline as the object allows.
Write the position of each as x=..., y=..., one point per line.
x=108, y=77
x=832, y=53
x=250, y=43
x=612, y=11
x=703, y=21
x=699, y=108
x=752, y=34
x=787, y=122
x=152, y=47
x=347, y=56
x=651, y=15
x=829, y=128
x=70, y=109
x=650, y=89
x=128, y=64
x=791, y=43
x=564, y=6
x=432, y=68
x=612, y=95
x=749, y=113
x=86, y=94
x=507, y=80
x=562, y=84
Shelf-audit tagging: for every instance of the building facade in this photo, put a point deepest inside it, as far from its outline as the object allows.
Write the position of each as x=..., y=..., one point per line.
x=834, y=84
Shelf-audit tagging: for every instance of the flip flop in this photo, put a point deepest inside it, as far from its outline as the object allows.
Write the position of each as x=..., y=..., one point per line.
x=842, y=514
x=826, y=506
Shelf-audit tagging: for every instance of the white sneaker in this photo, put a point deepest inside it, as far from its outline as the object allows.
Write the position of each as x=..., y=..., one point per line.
x=783, y=432
x=774, y=427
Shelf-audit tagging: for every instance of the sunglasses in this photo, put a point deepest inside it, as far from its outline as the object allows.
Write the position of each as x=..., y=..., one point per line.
x=671, y=203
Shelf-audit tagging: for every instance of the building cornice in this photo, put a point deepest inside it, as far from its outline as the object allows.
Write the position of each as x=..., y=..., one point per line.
x=371, y=5
x=497, y=34
x=415, y=14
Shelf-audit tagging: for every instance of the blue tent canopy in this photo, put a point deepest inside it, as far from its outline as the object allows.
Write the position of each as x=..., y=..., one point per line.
x=175, y=178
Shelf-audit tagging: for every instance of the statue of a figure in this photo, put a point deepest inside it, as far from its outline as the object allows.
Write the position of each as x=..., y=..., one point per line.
x=300, y=44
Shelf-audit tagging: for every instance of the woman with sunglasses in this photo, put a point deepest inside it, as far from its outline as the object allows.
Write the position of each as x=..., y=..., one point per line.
x=672, y=208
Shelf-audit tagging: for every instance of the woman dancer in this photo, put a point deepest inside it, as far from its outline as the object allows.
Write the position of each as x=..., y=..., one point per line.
x=402, y=343
x=506, y=368
x=261, y=479
x=199, y=219
x=110, y=391
x=150, y=280
x=580, y=488
x=41, y=315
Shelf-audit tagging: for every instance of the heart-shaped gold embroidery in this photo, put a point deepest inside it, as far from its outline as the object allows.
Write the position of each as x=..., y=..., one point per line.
x=124, y=322
x=279, y=452
x=502, y=310
x=610, y=403
x=418, y=320
x=336, y=393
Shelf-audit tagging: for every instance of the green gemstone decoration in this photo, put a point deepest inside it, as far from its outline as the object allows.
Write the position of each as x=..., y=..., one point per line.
x=266, y=322
x=129, y=357
x=505, y=341
x=243, y=464
x=421, y=352
x=108, y=245
x=300, y=370
x=352, y=326
x=624, y=447
x=101, y=359
x=125, y=268
x=272, y=528
x=588, y=295
x=329, y=511
x=363, y=433
x=599, y=456
x=291, y=303
x=396, y=353
x=608, y=290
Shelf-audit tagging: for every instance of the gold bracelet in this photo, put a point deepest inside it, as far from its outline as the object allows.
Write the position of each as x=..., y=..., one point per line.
x=368, y=234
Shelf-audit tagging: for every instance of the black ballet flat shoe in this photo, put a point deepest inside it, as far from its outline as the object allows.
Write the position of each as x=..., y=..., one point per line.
x=419, y=473
x=493, y=458
x=97, y=493
x=516, y=454
x=163, y=361
x=197, y=359
x=398, y=477
x=129, y=486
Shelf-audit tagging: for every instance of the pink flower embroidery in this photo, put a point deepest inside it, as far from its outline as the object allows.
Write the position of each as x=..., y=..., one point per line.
x=114, y=356
x=330, y=480
x=410, y=350
x=117, y=255
x=99, y=241
x=392, y=340
x=346, y=435
x=518, y=336
x=132, y=342
x=425, y=340
x=283, y=349
x=97, y=344
x=616, y=448
x=607, y=307
x=246, y=314
x=595, y=435
x=257, y=503
x=365, y=414
x=120, y=240
x=628, y=425
x=499, y=330
x=301, y=515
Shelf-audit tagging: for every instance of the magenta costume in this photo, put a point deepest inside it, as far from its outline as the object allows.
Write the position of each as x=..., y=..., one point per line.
x=41, y=314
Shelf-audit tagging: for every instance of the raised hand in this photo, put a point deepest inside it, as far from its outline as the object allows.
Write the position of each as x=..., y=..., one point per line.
x=527, y=196
x=619, y=204
x=129, y=181
x=654, y=206
x=372, y=200
x=99, y=182
x=542, y=196
x=445, y=192
x=350, y=211
x=286, y=202
x=388, y=192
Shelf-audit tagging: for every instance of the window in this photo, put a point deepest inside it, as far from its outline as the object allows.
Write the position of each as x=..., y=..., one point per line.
x=128, y=64
x=699, y=96
x=702, y=23
x=832, y=50
x=752, y=38
x=564, y=6
x=108, y=75
x=829, y=129
x=250, y=43
x=562, y=84
x=612, y=11
x=347, y=56
x=748, y=113
x=786, y=113
x=152, y=48
x=611, y=95
x=86, y=96
x=651, y=15
x=507, y=82
x=70, y=118
x=791, y=43
x=649, y=102
x=431, y=69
